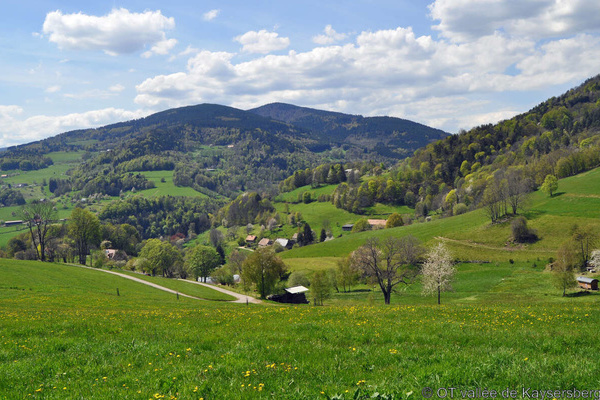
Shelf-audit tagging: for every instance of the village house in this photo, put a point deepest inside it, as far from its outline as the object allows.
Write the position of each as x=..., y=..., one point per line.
x=250, y=240
x=347, y=227
x=265, y=242
x=285, y=243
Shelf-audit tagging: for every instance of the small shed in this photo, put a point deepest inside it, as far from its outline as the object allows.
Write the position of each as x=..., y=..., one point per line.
x=293, y=295
x=13, y=223
x=264, y=242
x=251, y=239
x=295, y=237
x=587, y=283
x=347, y=227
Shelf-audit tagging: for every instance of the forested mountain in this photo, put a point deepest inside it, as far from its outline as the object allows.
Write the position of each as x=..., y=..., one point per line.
x=560, y=137
x=218, y=149
x=393, y=137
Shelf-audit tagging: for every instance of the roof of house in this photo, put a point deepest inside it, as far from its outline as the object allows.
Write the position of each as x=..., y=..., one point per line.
x=283, y=242
x=250, y=238
x=586, y=280
x=377, y=222
x=264, y=242
x=348, y=226
x=296, y=289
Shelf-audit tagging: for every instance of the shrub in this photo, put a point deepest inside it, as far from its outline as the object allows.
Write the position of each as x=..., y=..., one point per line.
x=460, y=208
x=298, y=279
x=361, y=225
x=521, y=232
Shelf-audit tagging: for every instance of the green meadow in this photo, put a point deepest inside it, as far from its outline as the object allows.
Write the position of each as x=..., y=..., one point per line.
x=66, y=334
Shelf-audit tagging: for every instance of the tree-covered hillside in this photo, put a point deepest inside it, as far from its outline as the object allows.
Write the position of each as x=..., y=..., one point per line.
x=215, y=149
x=560, y=137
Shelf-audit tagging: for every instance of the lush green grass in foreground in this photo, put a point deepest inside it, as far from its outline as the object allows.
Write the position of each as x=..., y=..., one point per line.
x=184, y=287
x=65, y=334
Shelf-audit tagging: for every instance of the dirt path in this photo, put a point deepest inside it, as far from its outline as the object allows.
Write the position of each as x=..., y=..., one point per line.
x=239, y=298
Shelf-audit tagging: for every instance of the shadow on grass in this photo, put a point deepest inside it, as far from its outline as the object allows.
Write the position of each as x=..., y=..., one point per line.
x=581, y=293
x=533, y=214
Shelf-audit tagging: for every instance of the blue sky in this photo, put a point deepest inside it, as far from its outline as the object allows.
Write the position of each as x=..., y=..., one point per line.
x=451, y=64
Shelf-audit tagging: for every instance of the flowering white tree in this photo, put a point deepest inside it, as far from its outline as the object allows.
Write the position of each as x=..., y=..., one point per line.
x=438, y=271
x=595, y=259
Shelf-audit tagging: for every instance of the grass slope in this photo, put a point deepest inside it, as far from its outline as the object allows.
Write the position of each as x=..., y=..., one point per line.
x=188, y=288
x=471, y=236
x=65, y=334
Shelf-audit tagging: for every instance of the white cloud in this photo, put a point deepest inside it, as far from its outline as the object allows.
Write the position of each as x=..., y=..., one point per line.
x=383, y=72
x=120, y=32
x=118, y=88
x=262, y=42
x=16, y=131
x=210, y=15
x=329, y=36
x=163, y=47
x=53, y=89
x=463, y=20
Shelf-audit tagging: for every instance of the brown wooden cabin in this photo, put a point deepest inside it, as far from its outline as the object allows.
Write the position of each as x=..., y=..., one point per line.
x=587, y=283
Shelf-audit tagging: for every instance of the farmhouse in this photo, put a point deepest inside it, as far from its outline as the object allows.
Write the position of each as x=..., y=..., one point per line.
x=377, y=223
x=293, y=295
x=264, y=242
x=587, y=283
x=285, y=243
x=250, y=239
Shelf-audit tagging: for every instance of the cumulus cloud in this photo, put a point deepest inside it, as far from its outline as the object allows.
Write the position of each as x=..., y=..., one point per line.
x=120, y=32
x=383, y=72
x=463, y=20
x=53, y=89
x=329, y=36
x=210, y=15
x=262, y=42
x=16, y=130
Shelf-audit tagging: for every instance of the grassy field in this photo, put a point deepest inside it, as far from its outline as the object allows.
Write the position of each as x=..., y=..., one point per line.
x=65, y=334
x=188, y=288
x=166, y=188
x=471, y=236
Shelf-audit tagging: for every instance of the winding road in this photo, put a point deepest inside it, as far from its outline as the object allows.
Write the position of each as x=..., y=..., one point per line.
x=239, y=298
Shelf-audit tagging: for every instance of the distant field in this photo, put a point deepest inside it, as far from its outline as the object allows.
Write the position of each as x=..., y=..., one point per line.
x=166, y=188
x=66, y=334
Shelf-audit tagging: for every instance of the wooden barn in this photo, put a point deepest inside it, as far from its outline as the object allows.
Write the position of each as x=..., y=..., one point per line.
x=293, y=295
x=587, y=283
x=347, y=227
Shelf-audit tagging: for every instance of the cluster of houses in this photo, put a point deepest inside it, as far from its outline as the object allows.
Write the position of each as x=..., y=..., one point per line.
x=251, y=241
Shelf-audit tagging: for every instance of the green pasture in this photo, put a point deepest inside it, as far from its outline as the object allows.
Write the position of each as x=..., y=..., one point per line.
x=65, y=334
x=166, y=188
x=184, y=287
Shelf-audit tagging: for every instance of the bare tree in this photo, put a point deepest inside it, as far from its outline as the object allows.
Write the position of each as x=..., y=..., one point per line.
x=518, y=186
x=389, y=263
x=38, y=216
x=438, y=271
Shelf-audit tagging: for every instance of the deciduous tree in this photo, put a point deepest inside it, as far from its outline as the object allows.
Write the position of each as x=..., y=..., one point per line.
x=388, y=263
x=263, y=269
x=202, y=261
x=38, y=216
x=84, y=229
x=438, y=271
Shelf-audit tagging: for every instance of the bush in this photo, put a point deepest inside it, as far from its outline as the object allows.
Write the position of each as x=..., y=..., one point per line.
x=459, y=208
x=521, y=232
x=223, y=276
x=298, y=279
x=361, y=225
